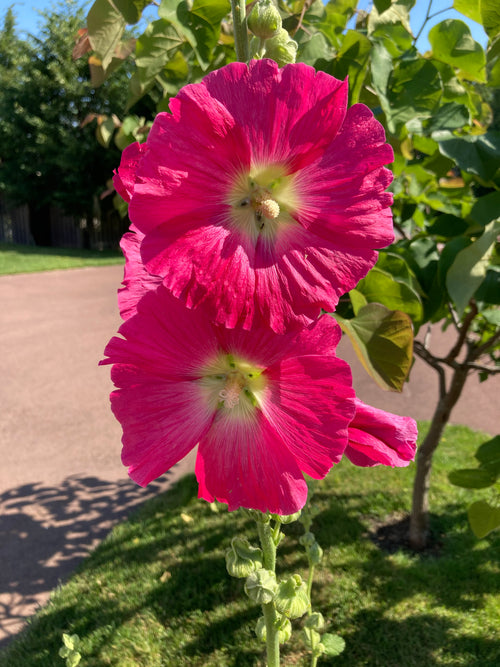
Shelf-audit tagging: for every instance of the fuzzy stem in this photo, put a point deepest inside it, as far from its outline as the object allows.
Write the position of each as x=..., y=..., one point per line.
x=268, y=542
x=238, y=10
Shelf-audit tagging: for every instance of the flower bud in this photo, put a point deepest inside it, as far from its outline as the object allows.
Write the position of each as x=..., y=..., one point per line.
x=311, y=638
x=291, y=597
x=281, y=48
x=315, y=553
x=264, y=20
x=315, y=621
x=261, y=586
x=242, y=559
x=284, y=629
x=307, y=540
x=286, y=518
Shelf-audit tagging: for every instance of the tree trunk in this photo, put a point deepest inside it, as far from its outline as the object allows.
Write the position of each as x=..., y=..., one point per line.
x=419, y=518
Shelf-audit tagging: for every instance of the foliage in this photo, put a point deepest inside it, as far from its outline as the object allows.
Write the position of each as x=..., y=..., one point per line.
x=441, y=114
x=484, y=516
x=156, y=591
x=48, y=151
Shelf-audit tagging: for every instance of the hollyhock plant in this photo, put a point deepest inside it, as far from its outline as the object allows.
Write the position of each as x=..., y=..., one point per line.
x=264, y=408
x=261, y=195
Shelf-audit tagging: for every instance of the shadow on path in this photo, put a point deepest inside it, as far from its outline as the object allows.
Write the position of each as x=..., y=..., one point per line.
x=45, y=531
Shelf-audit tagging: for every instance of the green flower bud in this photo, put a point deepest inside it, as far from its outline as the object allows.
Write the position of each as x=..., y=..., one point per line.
x=242, y=559
x=264, y=20
x=291, y=597
x=315, y=553
x=261, y=586
x=284, y=629
x=315, y=621
x=281, y=48
x=286, y=518
x=307, y=540
x=256, y=515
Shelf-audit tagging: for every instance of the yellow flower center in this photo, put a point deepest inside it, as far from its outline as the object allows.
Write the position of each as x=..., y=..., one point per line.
x=233, y=385
x=263, y=201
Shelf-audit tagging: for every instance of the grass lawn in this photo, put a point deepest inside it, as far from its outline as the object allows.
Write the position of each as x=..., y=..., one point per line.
x=156, y=592
x=27, y=259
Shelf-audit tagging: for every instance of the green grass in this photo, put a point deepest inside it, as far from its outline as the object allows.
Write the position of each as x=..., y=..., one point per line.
x=28, y=259
x=156, y=592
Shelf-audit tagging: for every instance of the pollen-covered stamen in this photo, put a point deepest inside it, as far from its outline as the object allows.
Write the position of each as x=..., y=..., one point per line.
x=230, y=395
x=267, y=207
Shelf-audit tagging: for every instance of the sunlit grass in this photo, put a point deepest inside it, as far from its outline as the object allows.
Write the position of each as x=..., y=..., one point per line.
x=28, y=259
x=156, y=592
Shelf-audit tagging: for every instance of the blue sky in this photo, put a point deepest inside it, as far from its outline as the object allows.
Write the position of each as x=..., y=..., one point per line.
x=28, y=18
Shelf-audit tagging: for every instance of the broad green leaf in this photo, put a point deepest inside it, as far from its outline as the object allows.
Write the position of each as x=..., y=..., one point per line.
x=483, y=518
x=131, y=10
x=313, y=49
x=488, y=455
x=452, y=43
x=105, y=29
x=469, y=8
x=333, y=644
x=489, y=292
x=352, y=60
x=396, y=39
x=381, y=287
x=448, y=226
x=381, y=69
x=105, y=131
x=450, y=116
x=486, y=208
x=492, y=315
x=211, y=11
x=472, y=478
x=477, y=154
x=469, y=268
x=490, y=15
x=383, y=341
x=493, y=62
x=358, y=300
x=397, y=12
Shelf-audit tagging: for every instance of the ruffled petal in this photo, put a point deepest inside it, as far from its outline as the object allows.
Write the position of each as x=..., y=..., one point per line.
x=243, y=463
x=125, y=176
x=136, y=280
x=309, y=402
x=378, y=437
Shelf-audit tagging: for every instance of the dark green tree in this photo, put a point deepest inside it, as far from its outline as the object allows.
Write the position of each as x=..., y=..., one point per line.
x=48, y=155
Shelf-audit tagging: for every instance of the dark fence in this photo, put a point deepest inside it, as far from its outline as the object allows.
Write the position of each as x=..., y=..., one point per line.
x=102, y=232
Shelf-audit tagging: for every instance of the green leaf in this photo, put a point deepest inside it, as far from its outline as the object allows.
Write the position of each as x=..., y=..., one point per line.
x=73, y=659
x=352, y=61
x=469, y=8
x=448, y=226
x=477, y=154
x=131, y=10
x=211, y=11
x=483, y=518
x=472, y=478
x=489, y=292
x=452, y=43
x=488, y=455
x=383, y=341
x=490, y=17
x=313, y=49
x=486, y=208
x=451, y=116
x=397, y=12
x=105, y=28
x=493, y=62
x=333, y=644
x=381, y=287
x=469, y=268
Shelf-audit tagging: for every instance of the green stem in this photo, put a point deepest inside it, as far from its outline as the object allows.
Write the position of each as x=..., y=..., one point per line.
x=268, y=540
x=310, y=582
x=238, y=9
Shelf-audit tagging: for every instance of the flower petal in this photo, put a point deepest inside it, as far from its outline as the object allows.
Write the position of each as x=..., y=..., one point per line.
x=125, y=176
x=378, y=437
x=136, y=280
x=309, y=402
x=243, y=463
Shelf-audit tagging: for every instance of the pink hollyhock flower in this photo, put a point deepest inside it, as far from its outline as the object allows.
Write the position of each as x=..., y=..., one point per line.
x=378, y=437
x=263, y=408
x=136, y=280
x=261, y=195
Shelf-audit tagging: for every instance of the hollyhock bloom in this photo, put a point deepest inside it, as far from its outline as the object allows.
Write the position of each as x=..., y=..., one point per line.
x=261, y=195
x=136, y=280
x=378, y=437
x=264, y=408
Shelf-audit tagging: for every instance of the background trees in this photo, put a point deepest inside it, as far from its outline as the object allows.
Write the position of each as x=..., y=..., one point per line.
x=47, y=155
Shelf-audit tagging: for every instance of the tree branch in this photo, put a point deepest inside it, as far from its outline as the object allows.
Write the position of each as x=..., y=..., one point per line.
x=434, y=362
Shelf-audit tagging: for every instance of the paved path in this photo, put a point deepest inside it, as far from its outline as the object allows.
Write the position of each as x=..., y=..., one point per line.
x=62, y=485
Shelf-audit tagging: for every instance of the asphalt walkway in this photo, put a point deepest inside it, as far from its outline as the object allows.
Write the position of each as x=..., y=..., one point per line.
x=62, y=485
